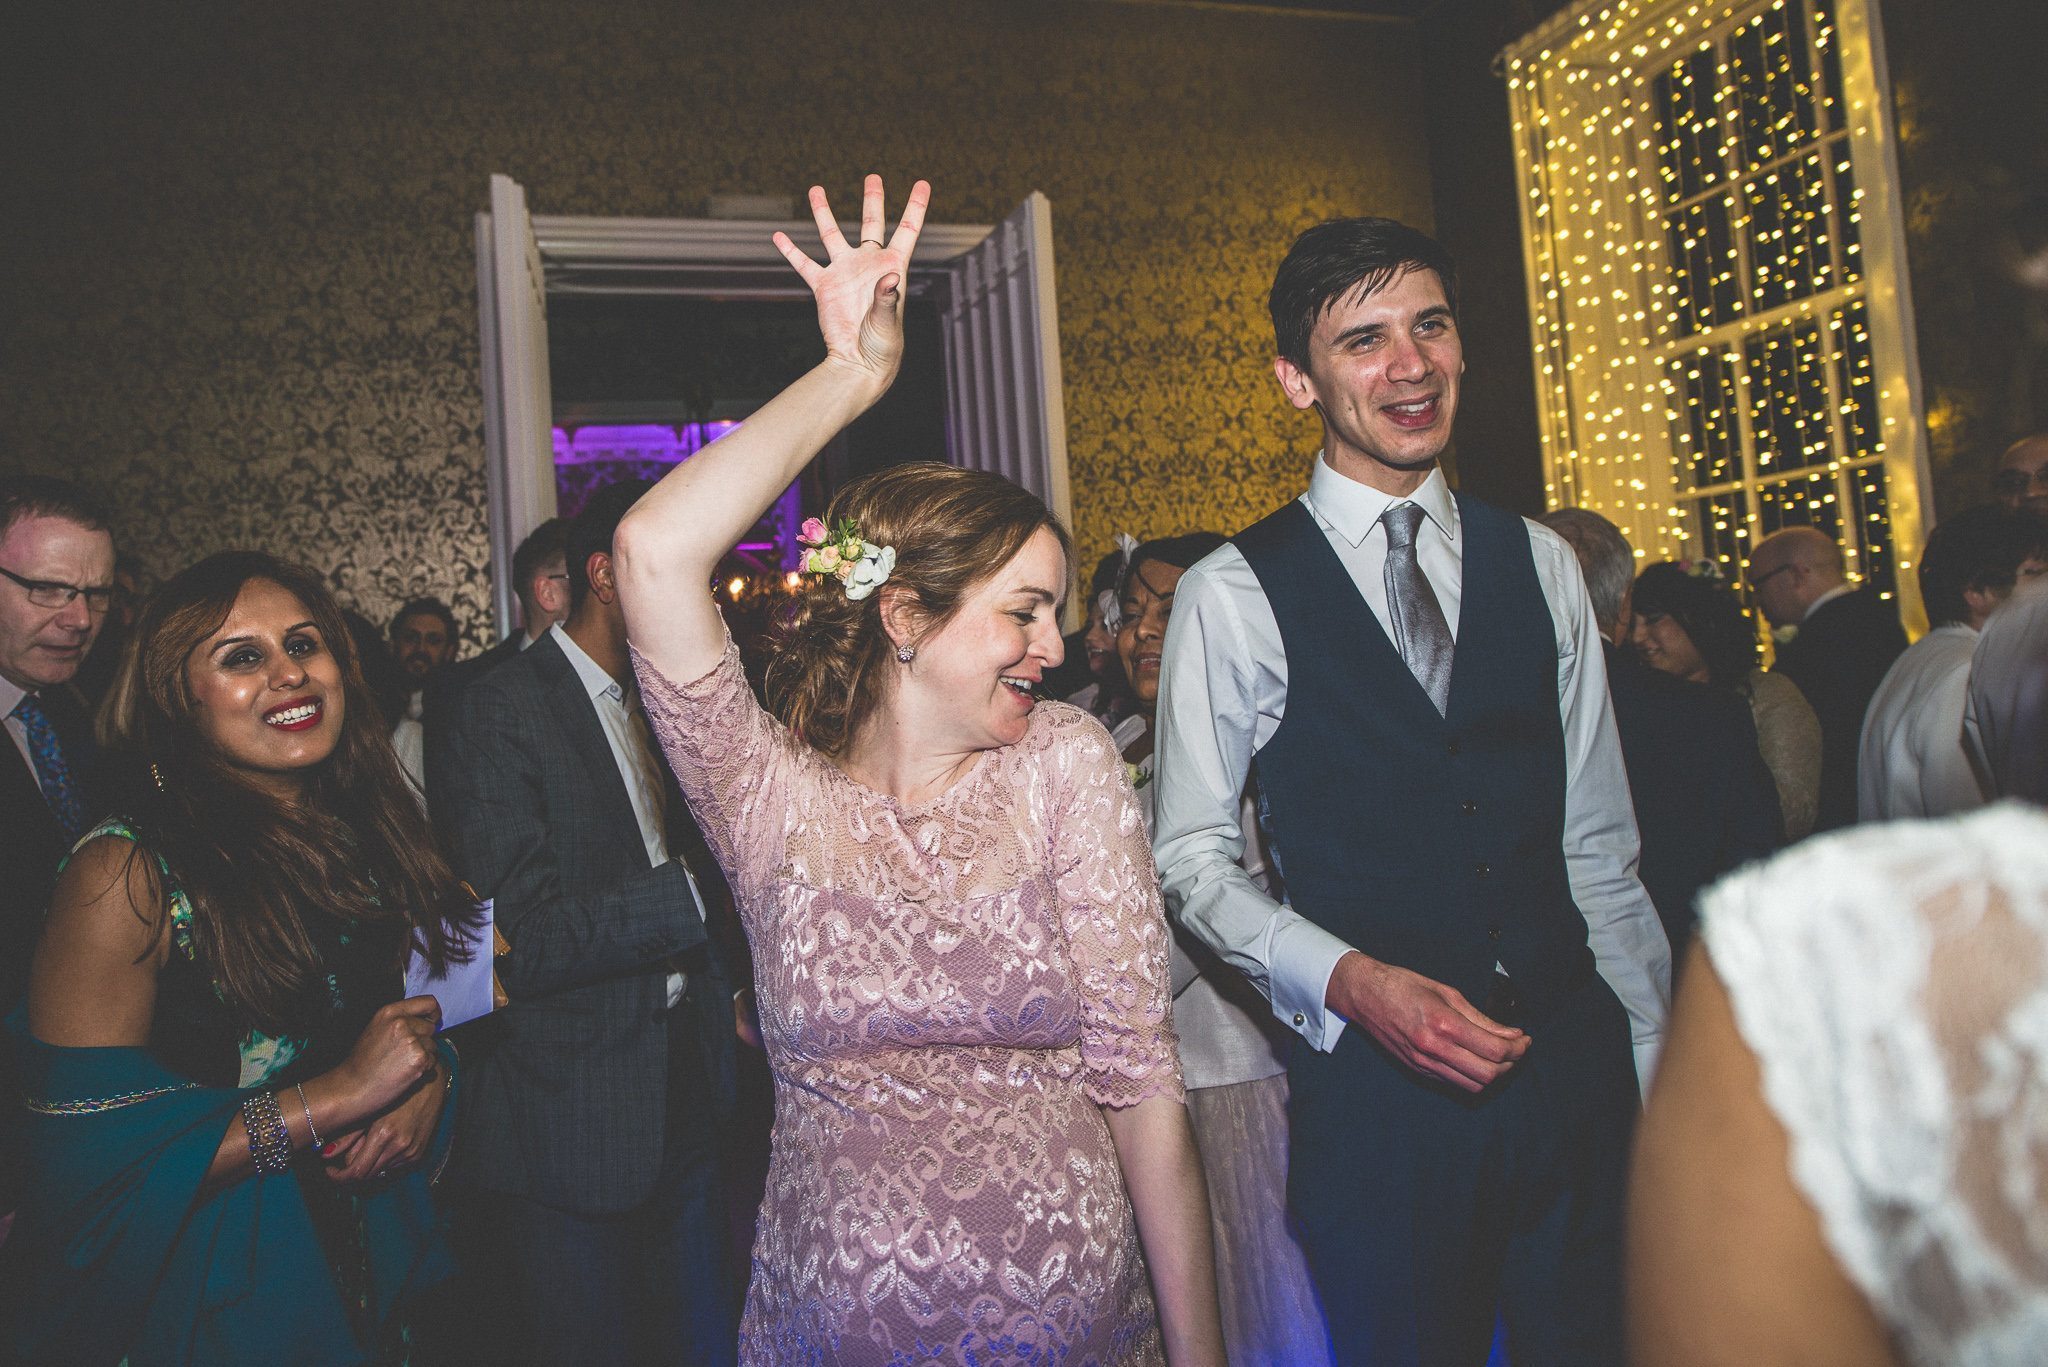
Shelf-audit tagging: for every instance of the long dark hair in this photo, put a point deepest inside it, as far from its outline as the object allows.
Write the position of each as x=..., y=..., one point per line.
x=1708, y=611
x=356, y=846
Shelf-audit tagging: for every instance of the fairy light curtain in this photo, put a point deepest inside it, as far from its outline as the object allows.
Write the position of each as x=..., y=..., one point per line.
x=1716, y=269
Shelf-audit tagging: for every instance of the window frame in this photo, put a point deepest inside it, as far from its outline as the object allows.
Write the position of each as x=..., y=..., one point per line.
x=1587, y=79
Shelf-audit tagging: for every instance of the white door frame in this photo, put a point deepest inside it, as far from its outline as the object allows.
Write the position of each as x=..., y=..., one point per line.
x=726, y=258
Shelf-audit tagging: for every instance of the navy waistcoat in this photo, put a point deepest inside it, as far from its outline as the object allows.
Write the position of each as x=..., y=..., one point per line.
x=1432, y=842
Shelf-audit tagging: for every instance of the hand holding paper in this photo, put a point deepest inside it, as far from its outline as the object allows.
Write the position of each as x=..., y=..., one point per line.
x=466, y=990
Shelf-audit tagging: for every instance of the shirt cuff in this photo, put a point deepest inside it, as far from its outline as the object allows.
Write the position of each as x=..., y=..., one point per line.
x=1303, y=956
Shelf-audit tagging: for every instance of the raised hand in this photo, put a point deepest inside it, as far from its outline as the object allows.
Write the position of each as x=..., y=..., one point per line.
x=1427, y=1025
x=860, y=288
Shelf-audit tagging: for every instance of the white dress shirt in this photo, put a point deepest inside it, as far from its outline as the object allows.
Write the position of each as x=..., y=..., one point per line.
x=2014, y=639
x=1223, y=690
x=409, y=739
x=1912, y=762
x=10, y=698
x=625, y=726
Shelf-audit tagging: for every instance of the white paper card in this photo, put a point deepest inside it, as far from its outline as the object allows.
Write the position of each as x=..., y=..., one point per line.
x=465, y=991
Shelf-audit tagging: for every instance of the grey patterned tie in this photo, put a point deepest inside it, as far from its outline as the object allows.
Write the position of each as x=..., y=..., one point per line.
x=1420, y=633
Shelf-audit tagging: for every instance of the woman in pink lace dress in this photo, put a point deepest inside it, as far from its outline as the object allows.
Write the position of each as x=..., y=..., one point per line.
x=959, y=948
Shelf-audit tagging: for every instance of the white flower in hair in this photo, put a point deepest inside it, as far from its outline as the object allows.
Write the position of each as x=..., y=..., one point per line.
x=1107, y=601
x=871, y=570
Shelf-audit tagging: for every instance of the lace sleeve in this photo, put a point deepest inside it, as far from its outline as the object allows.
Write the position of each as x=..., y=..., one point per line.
x=1114, y=919
x=1788, y=735
x=732, y=760
x=1893, y=984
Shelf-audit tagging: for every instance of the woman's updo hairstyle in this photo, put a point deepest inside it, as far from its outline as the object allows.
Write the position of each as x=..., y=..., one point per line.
x=952, y=528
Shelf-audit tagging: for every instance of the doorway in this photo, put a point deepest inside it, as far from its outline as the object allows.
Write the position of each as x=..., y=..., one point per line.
x=981, y=296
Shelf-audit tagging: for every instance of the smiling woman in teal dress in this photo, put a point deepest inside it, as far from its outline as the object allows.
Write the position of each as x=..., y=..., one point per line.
x=217, y=995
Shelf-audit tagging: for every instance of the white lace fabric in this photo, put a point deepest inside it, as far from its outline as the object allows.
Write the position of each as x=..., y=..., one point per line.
x=1892, y=982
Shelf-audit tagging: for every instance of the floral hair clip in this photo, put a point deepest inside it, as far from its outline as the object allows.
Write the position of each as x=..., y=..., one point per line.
x=860, y=566
x=1709, y=570
x=1109, y=601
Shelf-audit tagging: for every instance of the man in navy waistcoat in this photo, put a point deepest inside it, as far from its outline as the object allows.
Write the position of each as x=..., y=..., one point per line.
x=1417, y=680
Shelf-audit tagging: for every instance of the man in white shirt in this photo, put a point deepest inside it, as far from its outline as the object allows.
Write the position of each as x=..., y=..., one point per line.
x=2005, y=724
x=1457, y=844
x=1912, y=762
x=423, y=639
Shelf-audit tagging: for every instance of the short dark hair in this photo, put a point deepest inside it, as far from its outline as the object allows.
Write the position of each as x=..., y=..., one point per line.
x=1978, y=548
x=591, y=531
x=1342, y=257
x=548, y=541
x=1183, y=550
x=427, y=607
x=47, y=496
x=1708, y=611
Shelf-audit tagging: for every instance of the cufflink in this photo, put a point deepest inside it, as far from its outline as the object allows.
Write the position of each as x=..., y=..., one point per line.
x=1299, y=1020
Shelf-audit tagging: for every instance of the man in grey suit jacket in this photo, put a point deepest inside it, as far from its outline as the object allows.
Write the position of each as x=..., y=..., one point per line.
x=591, y=1116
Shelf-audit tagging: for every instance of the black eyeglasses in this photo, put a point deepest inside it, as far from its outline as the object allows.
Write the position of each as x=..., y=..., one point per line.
x=2013, y=482
x=46, y=593
x=1758, y=581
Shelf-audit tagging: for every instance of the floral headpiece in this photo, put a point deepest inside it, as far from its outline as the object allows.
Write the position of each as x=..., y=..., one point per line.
x=1709, y=570
x=1108, y=600
x=860, y=566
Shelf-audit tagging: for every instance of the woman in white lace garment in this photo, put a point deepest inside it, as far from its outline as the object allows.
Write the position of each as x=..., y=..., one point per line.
x=1845, y=1155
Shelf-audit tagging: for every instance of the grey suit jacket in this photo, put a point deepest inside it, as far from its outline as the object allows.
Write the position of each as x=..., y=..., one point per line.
x=564, y=1098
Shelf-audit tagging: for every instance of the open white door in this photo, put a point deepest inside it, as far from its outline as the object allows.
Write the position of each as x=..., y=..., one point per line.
x=1005, y=410
x=518, y=403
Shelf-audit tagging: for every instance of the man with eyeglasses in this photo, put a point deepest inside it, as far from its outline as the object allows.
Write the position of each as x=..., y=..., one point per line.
x=2022, y=478
x=56, y=583
x=1847, y=637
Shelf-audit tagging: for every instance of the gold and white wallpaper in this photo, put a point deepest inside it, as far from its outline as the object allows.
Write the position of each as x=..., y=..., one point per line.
x=241, y=287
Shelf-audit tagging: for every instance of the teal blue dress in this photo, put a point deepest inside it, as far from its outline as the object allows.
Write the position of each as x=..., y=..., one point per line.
x=116, y=1257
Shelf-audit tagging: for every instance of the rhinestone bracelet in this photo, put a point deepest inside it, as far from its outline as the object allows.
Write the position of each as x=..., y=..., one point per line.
x=270, y=1143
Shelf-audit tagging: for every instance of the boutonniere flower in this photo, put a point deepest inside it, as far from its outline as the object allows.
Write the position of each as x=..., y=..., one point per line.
x=1138, y=777
x=1783, y=635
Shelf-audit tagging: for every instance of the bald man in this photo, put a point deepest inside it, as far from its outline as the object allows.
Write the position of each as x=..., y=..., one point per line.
x=1847, y=639
x=2022, y=478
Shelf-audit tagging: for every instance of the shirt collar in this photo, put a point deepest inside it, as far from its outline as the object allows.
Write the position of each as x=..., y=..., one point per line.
x=596, y=682
x=1838, y=591
x=1353, y=509
x=10, y=697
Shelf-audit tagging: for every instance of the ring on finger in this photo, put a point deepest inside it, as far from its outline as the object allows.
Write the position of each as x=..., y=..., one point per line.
x=871, y=242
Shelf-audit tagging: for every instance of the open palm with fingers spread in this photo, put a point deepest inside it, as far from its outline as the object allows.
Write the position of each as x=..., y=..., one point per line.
x=859, y=289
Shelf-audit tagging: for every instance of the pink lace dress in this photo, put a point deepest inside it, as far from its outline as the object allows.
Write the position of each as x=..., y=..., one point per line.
x=948, y=991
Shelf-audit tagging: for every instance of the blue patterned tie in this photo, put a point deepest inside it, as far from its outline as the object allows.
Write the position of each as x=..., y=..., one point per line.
x=52, y=772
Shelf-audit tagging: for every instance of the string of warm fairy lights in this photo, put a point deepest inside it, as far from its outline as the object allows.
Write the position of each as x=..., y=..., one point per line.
x=1699, y=283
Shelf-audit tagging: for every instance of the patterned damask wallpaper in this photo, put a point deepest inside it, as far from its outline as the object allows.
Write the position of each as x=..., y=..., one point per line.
x=241, y=287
